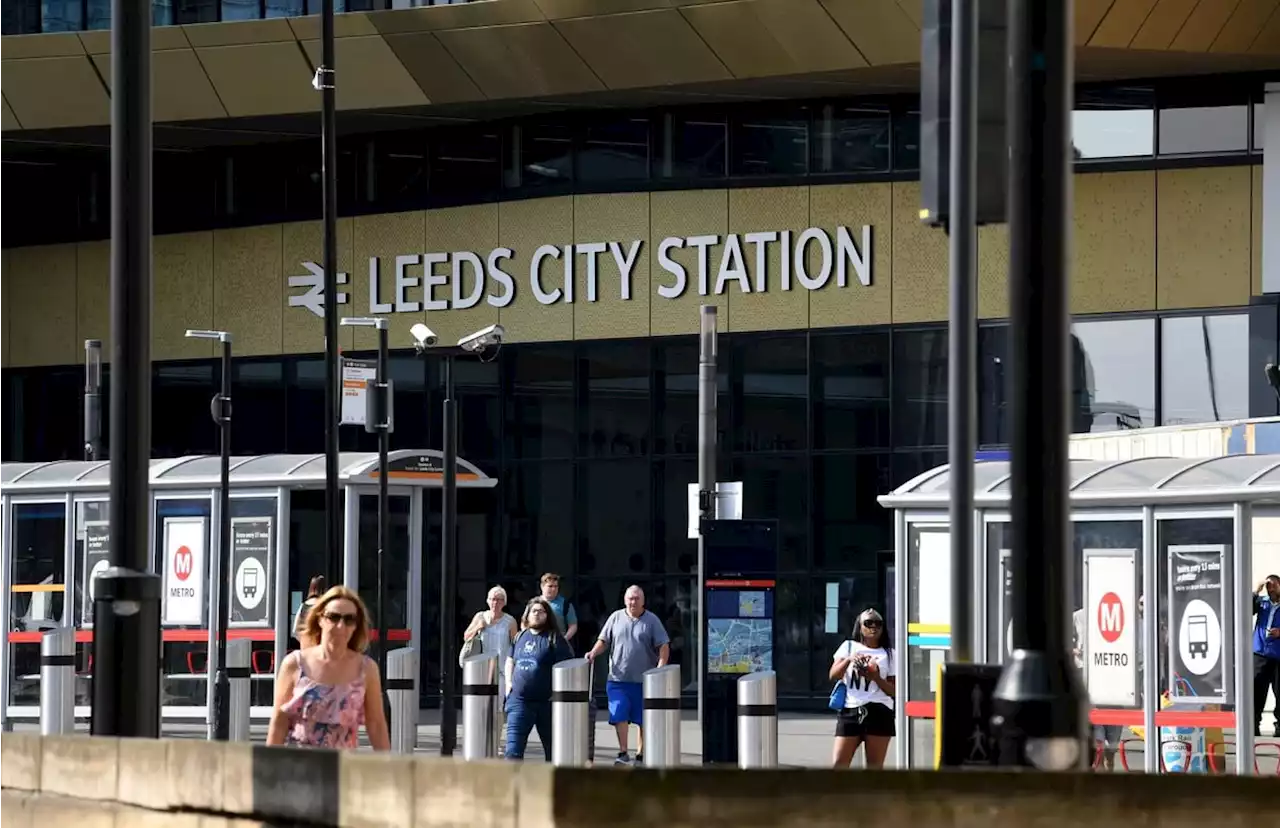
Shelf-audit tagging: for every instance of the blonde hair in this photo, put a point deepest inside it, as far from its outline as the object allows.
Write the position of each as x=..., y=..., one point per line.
x=497, y=590
x=359, y=636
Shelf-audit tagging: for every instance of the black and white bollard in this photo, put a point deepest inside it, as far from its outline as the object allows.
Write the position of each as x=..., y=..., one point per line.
x=58, y=681
x=402, y=693
x=239, y=653
x=758, y=720
x=662, y=717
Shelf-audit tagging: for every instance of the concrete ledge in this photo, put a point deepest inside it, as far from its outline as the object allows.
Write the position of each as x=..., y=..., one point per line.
x=20, y=761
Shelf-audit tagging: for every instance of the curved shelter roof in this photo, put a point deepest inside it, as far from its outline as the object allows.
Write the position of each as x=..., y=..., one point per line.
x=1136, y=482
x=408, y=467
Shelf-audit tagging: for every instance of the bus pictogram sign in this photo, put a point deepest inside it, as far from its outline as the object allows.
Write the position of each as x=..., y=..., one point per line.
x=182, y=560
x=1110, y=617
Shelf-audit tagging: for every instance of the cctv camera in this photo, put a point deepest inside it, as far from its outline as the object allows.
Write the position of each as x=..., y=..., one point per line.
x=481, y=339
x=423, y=337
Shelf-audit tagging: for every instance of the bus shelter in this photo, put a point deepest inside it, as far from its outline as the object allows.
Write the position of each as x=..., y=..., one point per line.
x=1168, y=553
x=56, y=539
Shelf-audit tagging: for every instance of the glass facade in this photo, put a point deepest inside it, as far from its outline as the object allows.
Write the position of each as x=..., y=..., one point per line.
x=594, y=446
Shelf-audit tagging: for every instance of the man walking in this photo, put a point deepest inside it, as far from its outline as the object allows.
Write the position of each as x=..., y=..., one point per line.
x=637, y=642
x=566, y=615
x=1266, y=650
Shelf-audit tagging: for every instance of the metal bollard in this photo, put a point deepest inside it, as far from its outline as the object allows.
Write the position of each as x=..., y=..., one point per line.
x=58, y=681
x=662, y=717
x=570, y=694
x=758, y=720
x=479, y=692
x=238, y=654
x=402, y=693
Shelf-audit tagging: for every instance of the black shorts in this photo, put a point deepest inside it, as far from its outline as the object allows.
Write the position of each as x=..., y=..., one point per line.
x=871, y=719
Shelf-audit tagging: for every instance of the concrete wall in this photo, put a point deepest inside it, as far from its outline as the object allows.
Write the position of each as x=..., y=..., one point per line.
x=87, y=782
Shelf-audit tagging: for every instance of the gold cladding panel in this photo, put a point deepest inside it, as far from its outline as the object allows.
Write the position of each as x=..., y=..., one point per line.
x=347, y=24
x=914, y=10
x=180, y=90
x=1256, y=234
x=239, y=33
x=473, y=228
x=519, y=61
x=683, y=214
x=623, y=219
x=657, y=48
x=1121, y=23
x=248, y=297
x=20, y=47
x=182, y=295
x=1268, y=40
x=303, y=241
x=993, y=271
x=1163, y=24
x=852, y=206
x=763, y=38
x=802, y=28
x=1203, y=237
x=433, y=68
x=385, y=237
x=524, y=226
x=261, y=79
x=93, y=294
x=1088, y=14
x=46, y=93
x=565, y=9
x=5, y=307
x=372, y=76
x=767, y=208
x=1243, y=26
x=10, y=120
x=885, y=33
x=42, y=322
x=1113, y=242
x=920, y=258
x=1202, y=27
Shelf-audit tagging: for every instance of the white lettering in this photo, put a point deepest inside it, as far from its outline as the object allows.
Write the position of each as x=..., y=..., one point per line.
x=731, y=266
x=592, y=251
x=535, y=274
x=500, y=276
x=568, y=273
x=625, y=265
x=431, y=280
x=703, y=243
x=849, y=254
x=405, y=281
x=761, y=242
x=1109, y=616
x=374, y=305
x=784, y=257
x=824, y=270
x=472, y=299
x=674, y=268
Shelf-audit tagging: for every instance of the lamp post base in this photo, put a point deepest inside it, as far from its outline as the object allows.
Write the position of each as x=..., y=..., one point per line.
x=1041, y=713
x=126, y=645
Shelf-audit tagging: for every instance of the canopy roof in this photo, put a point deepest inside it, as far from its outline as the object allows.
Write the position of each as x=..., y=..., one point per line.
x=1135, y=482
x=408, y=467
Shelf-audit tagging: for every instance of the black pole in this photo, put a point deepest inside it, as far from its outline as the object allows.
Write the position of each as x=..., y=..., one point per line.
x=126, y=613
x=448, y=565
x=325, y=80
x=221, y=681
x=1040, y=707
x=92, y=399
x=384, y=513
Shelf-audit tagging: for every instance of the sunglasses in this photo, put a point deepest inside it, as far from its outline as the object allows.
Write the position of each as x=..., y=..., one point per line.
x=337, y=618
x=872, y=624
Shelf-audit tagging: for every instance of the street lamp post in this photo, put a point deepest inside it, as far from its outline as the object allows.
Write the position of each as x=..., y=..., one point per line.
x=220, y=408
x=92, y=399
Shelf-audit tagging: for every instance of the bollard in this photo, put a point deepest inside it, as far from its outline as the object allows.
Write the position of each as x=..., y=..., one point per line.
x=57, y=681
x=662, y=717
x=758, y=720
x=570, y=694
x=479, y=692
x=238, y=672
x=402, y=694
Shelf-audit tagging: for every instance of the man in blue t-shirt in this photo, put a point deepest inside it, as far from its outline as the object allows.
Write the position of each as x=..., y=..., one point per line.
x=1266, y=650
x=566, y=615
x=537, y=649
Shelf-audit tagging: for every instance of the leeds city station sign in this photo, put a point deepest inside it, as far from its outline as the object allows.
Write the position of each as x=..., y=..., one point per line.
x=809, y=260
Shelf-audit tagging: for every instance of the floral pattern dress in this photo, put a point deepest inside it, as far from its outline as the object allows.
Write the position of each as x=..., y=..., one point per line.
x=325, y=715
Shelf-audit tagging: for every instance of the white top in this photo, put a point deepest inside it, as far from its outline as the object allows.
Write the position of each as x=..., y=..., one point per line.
x=496, y=638
x=861, y=688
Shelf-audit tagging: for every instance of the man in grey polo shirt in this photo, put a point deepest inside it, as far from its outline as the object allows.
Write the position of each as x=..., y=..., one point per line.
x=637, y=642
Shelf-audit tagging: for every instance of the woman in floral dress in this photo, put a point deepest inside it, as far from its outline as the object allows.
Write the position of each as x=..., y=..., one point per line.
x=326, y=692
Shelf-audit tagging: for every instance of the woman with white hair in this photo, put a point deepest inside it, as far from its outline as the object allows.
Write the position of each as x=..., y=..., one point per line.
x=497, y=630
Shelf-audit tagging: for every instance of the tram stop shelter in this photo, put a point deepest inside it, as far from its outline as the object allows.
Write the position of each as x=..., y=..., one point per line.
x=1168, y=555
x=56, y=539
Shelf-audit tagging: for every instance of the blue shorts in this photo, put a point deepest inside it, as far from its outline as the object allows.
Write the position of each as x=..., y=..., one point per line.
x=626, y=701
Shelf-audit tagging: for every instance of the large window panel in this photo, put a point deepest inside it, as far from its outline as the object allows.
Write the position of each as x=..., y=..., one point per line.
x=994, y=423
x=615, y=516
x=920, y=387
x=465, y=164
x=693, y=146
x=539, y=407
x=851, y=528
x=614, y=149
x=906, y=141
x=678, y=553
x=542, y=157
x=850, y=381
x=793, y=624
x=49, y=411
x=777, y=487
x=305, y=396
x=770, y=142
x=1204, y=372
x=540, y=518
x=771, y=393
x=851, y=139
x=1113, y=375
x=1195, y=130
x=180, y=396
x=479, y=408
x=677, y=392
x=616, y=410
x=1113, y=123
x=397, y=172
x=259, y=399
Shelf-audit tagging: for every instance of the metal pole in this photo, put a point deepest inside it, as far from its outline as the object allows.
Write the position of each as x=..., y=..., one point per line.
x=479, y=689
x=707, y=435
x=92, y=399
x=401, y=683
x=239, y=655
x=126, y=689
x=570, y=718
x=1152, y=607
x=57, y=681
x=1040, y=705
x=662, y=717
x=448, y=564
x=1242, y=591
x=384, y=507
x=325, y=80
x=222, y=413
x=963, y=356
x=758, y=720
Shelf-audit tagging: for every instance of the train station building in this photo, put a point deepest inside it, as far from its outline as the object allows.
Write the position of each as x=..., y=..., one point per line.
x=587, y=173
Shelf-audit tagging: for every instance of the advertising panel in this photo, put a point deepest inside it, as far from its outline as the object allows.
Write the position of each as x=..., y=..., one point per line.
x=1110, y=621
x=184, y=571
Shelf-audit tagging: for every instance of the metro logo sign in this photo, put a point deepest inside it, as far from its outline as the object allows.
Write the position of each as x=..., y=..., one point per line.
x=1111, y=643
x=182, y=563
x=1110, y=617
x=185, y=548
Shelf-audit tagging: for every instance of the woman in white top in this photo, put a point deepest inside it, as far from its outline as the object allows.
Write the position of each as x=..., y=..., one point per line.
x=865, y=665
x=497, y=630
